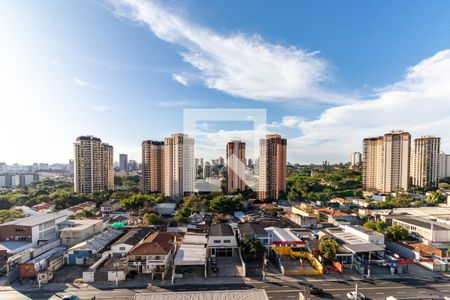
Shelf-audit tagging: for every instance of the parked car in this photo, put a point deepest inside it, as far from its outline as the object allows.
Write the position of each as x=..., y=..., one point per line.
x=315, y=291
x=70, y=297
x=352, y=296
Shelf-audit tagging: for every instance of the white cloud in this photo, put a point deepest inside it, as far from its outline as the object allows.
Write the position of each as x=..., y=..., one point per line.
x=179, y=78
x=237, y=64
x=182, y=102
x=420, y=104
x=79, y=82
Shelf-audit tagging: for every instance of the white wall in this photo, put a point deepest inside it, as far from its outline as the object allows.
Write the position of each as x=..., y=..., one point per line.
x=221, y=241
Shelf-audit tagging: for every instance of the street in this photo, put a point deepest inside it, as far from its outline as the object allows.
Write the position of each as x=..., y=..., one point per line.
x=404, y=288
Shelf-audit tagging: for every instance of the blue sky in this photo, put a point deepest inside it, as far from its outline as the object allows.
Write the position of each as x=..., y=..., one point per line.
x=329, y=73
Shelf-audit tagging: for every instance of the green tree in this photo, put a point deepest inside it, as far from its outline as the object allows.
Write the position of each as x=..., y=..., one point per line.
x=251, y=249
x=328, y=248
x=151, y=218
x=225, y=204
x=377, y=226
x=434, y=198
x=9, y=215
x=182, y=215
x=397, y=233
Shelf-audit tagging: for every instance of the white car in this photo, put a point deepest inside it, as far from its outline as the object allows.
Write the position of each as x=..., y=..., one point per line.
x=352, y=296
x=70, y=297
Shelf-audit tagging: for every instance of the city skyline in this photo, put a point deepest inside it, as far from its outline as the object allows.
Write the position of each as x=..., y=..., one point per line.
x=324, y=90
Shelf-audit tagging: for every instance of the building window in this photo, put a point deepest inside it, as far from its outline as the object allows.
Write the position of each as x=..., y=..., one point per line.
x=122, y=248
x=20, y=230
x=227, y=241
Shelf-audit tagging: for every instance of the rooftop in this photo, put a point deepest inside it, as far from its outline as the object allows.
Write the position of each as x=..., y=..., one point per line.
x=332, y=212
x=283, y=234
x=192, y=250
x=134, y=236
x=253, y=294
x=99, y=241
x=34, y=220
x=220, y=230
x=157, y=243
x=252, y=229
x=422, y=223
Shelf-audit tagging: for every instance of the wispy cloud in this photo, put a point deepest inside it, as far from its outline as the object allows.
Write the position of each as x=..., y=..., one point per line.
x=238, y=64
x=182, y=102
x=103, y=108
x=81, y=83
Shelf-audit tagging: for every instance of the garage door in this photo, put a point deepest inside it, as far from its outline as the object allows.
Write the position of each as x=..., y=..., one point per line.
x=227, y=252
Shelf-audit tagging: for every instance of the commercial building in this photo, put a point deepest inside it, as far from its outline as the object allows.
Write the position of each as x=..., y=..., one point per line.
x=191, y=255
x=221, y=241
x=272, y=167
x=386, y=162
x=444, y=165
x=179, y=170
x=123, y=162
x=85, y=252
x=425, y=162
x=427, y=231
x=33, y=229
x=235, y=166
x=93, y=165
x=73, y=232
x=304, y=215
x=152, y=166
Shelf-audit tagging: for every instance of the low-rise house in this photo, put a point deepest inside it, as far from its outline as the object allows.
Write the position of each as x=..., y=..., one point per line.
x=154, y=254
x=341, y=202
x=43, y=208
x=304, y=215
x=123, y=245
x=109, y=207
x=86, y=252
x=73, y=232
x=336, y=217
x=27, y=211
x=221, y=241
x=254, y=231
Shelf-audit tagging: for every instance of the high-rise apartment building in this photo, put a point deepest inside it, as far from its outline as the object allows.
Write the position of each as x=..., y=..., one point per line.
x=386, y=162
x=179, y=169
x=93, y=165
x=425, y=162
x=272, y=167
x=444, y=165
x=373, y=163
x=355, y=159
x=235, y=166
x=152, y=166
x=123, y=162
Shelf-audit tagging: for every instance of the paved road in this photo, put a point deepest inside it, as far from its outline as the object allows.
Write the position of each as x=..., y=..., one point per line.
x=407, y=288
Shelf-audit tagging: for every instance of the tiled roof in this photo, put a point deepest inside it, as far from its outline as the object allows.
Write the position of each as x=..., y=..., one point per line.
x=332, y=212
x=220, y=230
x=157, y=243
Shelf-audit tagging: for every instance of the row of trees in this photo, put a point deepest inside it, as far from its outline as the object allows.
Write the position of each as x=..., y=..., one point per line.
x=395, y=232
x=407, y=200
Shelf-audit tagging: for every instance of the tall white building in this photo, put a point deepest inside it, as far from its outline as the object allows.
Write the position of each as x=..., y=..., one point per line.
x=444, y=165
x=179, y=165
x=93, y=165
x=235, y=166
x=425, y=162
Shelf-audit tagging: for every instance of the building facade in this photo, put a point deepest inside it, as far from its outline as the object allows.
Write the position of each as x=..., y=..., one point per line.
x=386, y=162
x=444, y=165
x=123, y=162
x=355, y=159
x=179, y=169
x=93, y=165
x=272, y=167
x=235, y=166
x=425, y=162
x=152, y=166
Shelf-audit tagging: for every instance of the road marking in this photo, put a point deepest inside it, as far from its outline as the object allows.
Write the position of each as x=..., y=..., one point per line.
x=380, y=293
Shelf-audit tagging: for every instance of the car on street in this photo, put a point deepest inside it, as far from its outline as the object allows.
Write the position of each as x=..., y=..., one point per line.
x=315, y=291
x=352, y=295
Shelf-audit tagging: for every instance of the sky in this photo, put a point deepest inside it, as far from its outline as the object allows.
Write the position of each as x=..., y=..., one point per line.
x=327, y=73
